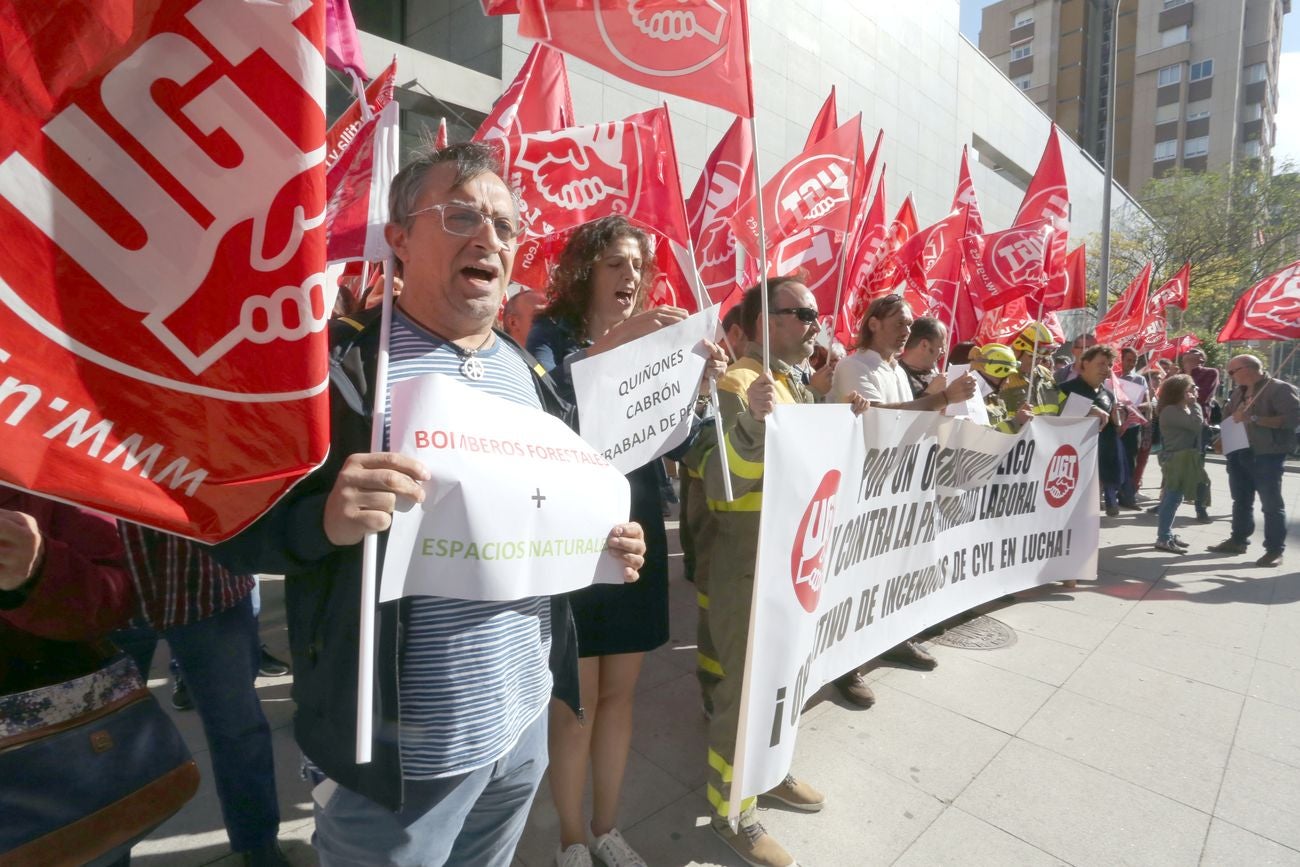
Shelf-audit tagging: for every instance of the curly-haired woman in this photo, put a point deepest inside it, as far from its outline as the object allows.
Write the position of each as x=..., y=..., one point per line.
x=596, y=294
x=1181, y=461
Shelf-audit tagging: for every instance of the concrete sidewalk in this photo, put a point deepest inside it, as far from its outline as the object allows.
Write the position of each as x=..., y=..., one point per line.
x=1151, y=718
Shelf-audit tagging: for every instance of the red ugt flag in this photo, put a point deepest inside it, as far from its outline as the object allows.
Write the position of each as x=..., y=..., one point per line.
x=1269, y=310
x=825, y=122
x=1067, y=288
x=1129, y=315
x=698, y=49
x=965, y=195
x=888, y=273
x=162, y=256
x=1007, y=265
x=360, y=164
x=727, y=177
x=1173, y=293
x=536, y=101
x=867, y=252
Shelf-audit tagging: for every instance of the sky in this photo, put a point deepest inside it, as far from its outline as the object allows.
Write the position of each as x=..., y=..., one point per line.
x=1287, y=121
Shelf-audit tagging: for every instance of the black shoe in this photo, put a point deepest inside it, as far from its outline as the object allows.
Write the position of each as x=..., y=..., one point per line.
x=1130, y=507
x=1270, y=558
x=1153, y=510
x=1203, y=517
x=181, y=695
x=1229, y=546
x=267, y=856
x=269, y=666
x=1112, y=511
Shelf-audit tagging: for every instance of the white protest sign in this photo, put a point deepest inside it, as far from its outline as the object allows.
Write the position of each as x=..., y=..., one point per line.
x=518, y=505
x=1076, y=406
x=1136, y=392
x=973, y=407
x=635, y=401
x=1232, y=435
x=875, y=528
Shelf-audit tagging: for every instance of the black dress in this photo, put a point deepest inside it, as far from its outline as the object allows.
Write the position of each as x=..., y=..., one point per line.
x=616, y=618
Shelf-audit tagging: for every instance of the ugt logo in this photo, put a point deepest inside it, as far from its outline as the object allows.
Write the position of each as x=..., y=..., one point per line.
x=1019, y=258
x=716, y=253
x=579, y=168
x=1062, y=476
x=809, y=558
x=1277, y=309
x=813, y=188
x=638, y=32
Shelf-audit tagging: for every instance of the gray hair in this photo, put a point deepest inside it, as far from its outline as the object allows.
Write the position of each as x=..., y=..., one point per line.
x=1250, y=361
x=471, y=160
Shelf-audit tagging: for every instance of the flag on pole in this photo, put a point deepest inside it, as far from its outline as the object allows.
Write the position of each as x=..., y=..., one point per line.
x=727, y=177
x=1173, y=293
x=537, y=100
x=1269, y=310
x=162, y=296
x=965, y=195
x=825, y=122
x=1007, y=265
x=698, y=49
x=440, y=140
x=1004, y=324
x=1128, y=316
x=342, y=46
x=867, y=252
x=1067, y=288
x=887, y=274
x=361, y=162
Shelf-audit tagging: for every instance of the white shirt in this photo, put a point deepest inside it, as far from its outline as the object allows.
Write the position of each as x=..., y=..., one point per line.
x=867, y=373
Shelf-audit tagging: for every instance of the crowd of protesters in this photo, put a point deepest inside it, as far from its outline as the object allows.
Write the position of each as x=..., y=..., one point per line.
x=474, y=700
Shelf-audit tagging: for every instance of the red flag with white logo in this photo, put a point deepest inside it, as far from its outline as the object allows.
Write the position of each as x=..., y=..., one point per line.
x=965, y=195
x=1067, y=288
x=931, y=264
x=1048, y=198
x=1004, y=324
x=887, y=274
x=871, y=246
x=1007, y=265
x=1128, y=316
x=1174, y=292
x=1269, y=310
x=537, y=100
x=360, y=162
x=1173, y=349
x=162, y=256
x=727, y=178
x=698, y=49
x=826, y=121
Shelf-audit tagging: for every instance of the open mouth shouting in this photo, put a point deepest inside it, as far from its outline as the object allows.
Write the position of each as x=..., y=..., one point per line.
x=484, y=276
x=625, y=297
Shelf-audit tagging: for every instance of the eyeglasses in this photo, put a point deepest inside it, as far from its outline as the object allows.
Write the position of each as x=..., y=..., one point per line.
x=803, y=314
x=467, y=222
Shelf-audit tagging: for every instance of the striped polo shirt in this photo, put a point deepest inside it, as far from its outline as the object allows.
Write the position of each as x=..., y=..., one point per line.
x=473, y=675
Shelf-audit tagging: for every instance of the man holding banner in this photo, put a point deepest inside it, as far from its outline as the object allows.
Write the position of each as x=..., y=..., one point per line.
x=452, y=776
x=746, y=396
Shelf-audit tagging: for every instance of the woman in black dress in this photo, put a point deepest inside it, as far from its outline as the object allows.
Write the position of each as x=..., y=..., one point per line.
x=597, y=293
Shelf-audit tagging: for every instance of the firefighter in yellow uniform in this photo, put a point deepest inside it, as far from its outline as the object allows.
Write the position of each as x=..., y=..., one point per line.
x=1045, y=399
x=994, y=362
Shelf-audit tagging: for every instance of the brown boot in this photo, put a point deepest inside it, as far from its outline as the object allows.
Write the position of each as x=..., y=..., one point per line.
x=912, y=654
x=853, y=686
x=753, y=844
x=797, y=794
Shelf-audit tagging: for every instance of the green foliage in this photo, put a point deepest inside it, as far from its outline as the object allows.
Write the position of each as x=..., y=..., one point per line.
x=1234, y=229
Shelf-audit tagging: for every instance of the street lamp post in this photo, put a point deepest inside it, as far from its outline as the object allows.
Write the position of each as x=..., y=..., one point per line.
x=1103, y=296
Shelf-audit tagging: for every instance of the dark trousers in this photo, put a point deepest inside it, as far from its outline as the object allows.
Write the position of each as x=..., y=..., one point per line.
x=1128, y=457
x=218, y=657
x=1250, y=474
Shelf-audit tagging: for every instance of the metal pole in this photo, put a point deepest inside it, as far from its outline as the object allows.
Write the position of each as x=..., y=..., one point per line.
x=1103, y=296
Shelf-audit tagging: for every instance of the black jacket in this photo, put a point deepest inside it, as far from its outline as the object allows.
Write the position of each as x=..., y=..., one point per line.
x=323, y=587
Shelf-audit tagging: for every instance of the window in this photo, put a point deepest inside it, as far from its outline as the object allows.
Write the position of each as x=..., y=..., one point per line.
x=1204, y=69
x=1251, y=148
x=1023, y=17
x=1196, y=147
x=1170, y=4
x=1167, y=75
x=1198, y=109
x=1252, y=111
x=1019, y=52
x=1166, y=150
x=1174, y=35
x=1022, y=82
x=1166, y=113
x=1256, y=72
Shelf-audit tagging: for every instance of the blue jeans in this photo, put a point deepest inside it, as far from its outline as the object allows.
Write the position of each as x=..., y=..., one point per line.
x=218, y=657
x=1169, y=503
x=1250, y=474
x=475, y=818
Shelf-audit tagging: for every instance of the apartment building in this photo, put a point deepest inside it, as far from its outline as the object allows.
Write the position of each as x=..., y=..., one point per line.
x=1195, y=80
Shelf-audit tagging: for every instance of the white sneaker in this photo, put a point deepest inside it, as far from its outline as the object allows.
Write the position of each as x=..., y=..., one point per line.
x=576, y=855
x=613, y=851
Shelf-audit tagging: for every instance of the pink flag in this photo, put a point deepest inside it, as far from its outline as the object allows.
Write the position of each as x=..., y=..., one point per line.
x=342, y=48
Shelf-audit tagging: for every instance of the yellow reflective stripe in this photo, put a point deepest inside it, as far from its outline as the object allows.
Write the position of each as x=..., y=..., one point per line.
x=698, y=470
x=1047, y=409
x=740, y=467
x=702, y=600
x=751, y=502
x=720, y=806
x=712, y=666
x=354, y=323
x=541, y=371
x=719, y=764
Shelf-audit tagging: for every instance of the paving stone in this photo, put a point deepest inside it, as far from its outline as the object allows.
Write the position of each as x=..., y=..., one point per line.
x=1260, y=795
x=1230, y=846
x=1056, y=622
x=1182, y=656
x=958, y=839
x=1270, y=730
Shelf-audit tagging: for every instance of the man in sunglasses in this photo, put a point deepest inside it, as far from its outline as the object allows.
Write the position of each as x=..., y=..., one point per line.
x=1270, y=410
x=462, y=688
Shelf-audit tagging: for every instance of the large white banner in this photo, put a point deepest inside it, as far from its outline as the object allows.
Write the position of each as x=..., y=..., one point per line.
x=518, y=505
x=875, y=528
x=634, y=401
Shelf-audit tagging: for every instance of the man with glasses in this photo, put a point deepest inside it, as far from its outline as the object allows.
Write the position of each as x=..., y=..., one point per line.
x=1270, y=410
x=462, y=687
x=1081, y=343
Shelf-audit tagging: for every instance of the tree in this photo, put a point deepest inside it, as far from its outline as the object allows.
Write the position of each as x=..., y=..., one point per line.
x=1233, y=227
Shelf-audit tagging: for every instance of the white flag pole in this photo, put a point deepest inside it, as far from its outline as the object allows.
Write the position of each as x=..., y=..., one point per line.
x=762, y=244
x=370, y=546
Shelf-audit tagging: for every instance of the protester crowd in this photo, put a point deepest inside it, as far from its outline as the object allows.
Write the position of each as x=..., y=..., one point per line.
x=474, y=700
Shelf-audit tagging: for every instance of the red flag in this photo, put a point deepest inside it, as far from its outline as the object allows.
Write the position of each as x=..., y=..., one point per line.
x=1152, y=335
x=537, y=100
x=1067, y=288
x=1007, y=265
x=965, y=195
x=342, y=47
x=1173, y=349
x=825, y=123
x=360, y=163
x=162, y=257
x=1269, y=310
x=698, y=49
x=871, y=245
x=727, y=177
x=1048, y=196
x=1174, y=293
x=1004, y=324
x=931, y=264
x=440, y=140
x=887, y=274
x=1129, y=314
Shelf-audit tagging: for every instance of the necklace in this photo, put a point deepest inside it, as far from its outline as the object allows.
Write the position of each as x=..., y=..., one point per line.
x=470, y=366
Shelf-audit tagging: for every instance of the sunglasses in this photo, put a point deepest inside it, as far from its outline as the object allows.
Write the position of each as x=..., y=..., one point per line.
x=803, y=314
x=467, y=222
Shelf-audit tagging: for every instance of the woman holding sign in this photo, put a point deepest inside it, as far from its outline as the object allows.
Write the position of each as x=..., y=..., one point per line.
x=1181, y=461
x=597, y=298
